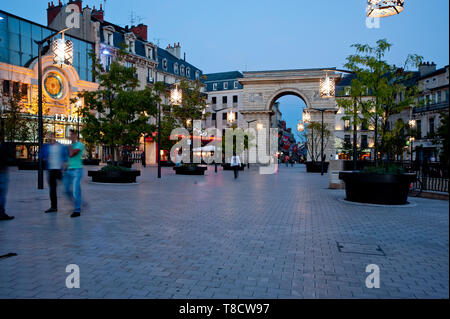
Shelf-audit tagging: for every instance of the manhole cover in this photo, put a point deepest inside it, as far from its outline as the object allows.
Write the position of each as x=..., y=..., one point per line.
x=363, y=249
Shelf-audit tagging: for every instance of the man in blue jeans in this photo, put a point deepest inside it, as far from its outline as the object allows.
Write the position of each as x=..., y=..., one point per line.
x=4, y=157
x=74, y=173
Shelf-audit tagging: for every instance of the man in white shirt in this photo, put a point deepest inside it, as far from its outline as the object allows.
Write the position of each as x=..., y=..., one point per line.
x=235, y=164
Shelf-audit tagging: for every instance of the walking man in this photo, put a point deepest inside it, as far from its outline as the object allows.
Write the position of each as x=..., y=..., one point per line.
x=235, y=164
x=286, y=160
x=143, y=159
x=74, y=173
x=54, y=155
x=4, y=157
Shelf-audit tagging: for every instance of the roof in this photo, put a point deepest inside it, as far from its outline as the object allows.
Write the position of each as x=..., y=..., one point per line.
x=222, y=76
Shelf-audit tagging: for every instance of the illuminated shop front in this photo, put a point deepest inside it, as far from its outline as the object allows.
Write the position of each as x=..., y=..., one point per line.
x=62, y=84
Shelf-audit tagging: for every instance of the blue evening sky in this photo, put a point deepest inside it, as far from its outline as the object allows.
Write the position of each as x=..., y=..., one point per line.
x=265, y=34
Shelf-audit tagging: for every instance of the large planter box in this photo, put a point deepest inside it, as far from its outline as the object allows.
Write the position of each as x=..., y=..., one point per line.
x=385, y=189
x=167, y=164
x=28, y=166
x=126, y=177
x=316, y=167
x=228, y=167
x=127, y=164
x=91, y=162
x=190, y=170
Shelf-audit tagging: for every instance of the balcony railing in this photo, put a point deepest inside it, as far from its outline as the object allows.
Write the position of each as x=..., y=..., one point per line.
x=432, y=107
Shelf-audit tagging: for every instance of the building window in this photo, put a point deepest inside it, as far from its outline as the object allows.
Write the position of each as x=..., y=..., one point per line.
x=150, y=53
x=236, y=84
x=215, y=86
x=431, y=124
x=175, y=68
x=150, y=75
x=214, y=100
x=164, y=64
x=110, y=39
x=419, y=128
x=129, y=64
x=6, y=87
x=364, y=126
x=224, y=100
x=364, y=143
x=213, y=116
x=182, y=70
x=225, y=85
x=347, y=139
x=235, y=99
x=107, y=62
x=347, y=125
x=24, y=90
x=188, y=72
x=224, y=116
x=197, y=75
x=16, y=89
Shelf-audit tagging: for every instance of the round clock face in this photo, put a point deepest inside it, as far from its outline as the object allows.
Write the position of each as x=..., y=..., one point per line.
x=54, y=85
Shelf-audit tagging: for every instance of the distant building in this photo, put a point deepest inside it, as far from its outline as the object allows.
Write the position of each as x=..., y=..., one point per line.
x=224, y=96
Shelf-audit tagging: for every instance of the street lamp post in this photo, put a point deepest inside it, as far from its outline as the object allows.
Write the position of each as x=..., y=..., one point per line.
x=159, y=140
x=40, y=98
x=322, y=137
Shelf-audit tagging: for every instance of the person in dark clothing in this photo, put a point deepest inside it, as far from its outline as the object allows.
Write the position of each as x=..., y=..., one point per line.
x=4, y=158
x=235, y=164
x=143, y=159
x=55, y=156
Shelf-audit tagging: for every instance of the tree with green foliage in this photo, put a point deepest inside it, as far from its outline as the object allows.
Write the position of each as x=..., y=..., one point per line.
x=379, y=91
x=117, y=114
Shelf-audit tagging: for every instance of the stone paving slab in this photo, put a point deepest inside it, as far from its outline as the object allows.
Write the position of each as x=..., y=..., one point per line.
x=261, y=236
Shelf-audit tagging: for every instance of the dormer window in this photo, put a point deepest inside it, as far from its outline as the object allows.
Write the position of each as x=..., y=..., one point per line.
x=215, y=86
x=188, y=72
x=175, y=68
x=182, y=70
x=130, y=40
x=164, y=64
x=236, y=84
x=108, y=35
x=149, y=53
x=225, y=85
x=197, y=75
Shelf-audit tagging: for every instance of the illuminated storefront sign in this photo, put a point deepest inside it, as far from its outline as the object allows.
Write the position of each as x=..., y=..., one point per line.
x=67, y=118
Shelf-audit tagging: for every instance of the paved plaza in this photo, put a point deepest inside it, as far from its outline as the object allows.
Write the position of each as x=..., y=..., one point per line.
x=262, y=236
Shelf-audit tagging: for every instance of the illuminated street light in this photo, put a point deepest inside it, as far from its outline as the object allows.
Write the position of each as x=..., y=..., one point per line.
x=259, y=126
x=384, y=8
x=231, y=117
x=62, y=51
x=327, y=87
x=176, y=96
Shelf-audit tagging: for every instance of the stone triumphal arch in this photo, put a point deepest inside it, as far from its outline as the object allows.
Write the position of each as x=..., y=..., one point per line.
x=261, y=89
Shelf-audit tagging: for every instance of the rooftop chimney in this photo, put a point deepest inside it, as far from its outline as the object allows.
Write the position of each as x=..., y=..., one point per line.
x=141, y=31
x=53, y=11
x=175, y=50
x=427, y=68
x=99, y=14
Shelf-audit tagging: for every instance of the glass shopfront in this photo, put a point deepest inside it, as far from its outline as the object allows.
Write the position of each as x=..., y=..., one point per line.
x=18, y=46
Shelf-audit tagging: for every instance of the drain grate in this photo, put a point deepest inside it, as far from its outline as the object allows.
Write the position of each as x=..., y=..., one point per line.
x=8, y=255
x=362, y=249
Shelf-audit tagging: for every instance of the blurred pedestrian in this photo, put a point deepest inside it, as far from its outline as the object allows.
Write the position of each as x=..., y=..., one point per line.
x=286, y=160
x=143, y=159
x=55, y=155
x=179, y=158
x=4, y=159
x=236, y=165
x=74, y=173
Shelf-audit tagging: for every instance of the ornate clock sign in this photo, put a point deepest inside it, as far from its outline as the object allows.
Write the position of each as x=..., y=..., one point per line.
x=54, y=86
